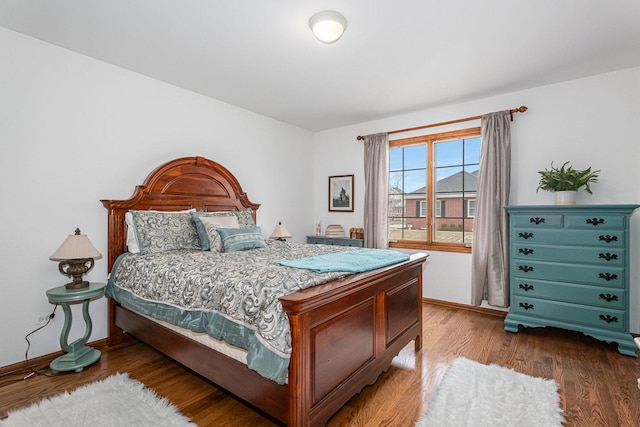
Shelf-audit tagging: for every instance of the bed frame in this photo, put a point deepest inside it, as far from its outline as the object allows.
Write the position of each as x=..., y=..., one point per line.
x=344, y=333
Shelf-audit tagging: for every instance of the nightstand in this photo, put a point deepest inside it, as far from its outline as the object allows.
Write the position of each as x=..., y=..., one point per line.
x=337, y=241
x=78, y=354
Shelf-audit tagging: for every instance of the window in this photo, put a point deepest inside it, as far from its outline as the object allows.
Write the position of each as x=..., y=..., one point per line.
x=423, y=208
x=471, y=208
x=432, y=189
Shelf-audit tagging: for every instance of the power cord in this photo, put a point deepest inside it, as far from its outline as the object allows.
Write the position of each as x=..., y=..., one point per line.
x=26, y=338
x=31, y=371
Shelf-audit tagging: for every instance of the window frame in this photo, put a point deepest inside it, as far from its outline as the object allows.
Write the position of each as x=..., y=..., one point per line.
x=430, y=141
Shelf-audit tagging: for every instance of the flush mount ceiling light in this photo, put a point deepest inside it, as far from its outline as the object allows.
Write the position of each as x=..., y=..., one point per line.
x=328, y=26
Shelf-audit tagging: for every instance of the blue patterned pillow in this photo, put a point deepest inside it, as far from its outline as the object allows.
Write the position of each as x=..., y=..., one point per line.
x=245, y=220
x=241, y=239
x=165, y=231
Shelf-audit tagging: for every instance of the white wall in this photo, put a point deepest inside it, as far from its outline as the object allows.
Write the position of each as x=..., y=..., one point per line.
x=593, y=121
x=74, y=130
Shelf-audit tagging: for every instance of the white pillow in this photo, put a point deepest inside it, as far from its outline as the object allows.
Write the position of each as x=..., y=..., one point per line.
x=133, y=245
x=211, y=225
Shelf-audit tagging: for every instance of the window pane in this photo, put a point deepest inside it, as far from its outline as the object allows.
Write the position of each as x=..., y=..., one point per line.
x=415, y=157
x=396, y=228
x=415, y=182
x=396, y=205
x=450, y=230
x=395, y=183
x=449, y=179
x=449, y=153
x=472, y=151
x=395, y=159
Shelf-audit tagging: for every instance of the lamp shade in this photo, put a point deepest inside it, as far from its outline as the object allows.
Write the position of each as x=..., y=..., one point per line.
x=328, y=26
x=280, y=232
x=76, y=246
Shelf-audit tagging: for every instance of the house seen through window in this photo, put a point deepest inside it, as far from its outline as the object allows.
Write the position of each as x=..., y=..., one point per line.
x=433, y=181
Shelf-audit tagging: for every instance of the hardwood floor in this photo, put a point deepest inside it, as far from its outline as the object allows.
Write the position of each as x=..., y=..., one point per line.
x=598, y=386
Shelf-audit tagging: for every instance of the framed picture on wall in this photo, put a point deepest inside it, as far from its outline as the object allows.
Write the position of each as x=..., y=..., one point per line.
x=341, y=193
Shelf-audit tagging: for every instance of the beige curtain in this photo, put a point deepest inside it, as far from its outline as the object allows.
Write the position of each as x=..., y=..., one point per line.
x=376, y=182
x=490, y=256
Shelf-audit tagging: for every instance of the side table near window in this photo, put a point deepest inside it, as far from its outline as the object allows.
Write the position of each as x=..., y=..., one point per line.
x=78, y=354
x=339, y=241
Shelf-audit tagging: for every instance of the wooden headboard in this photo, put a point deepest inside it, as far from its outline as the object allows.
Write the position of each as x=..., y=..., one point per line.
x=184, y=183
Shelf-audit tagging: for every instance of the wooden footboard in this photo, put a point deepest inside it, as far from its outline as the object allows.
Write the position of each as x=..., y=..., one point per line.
x=346, y=334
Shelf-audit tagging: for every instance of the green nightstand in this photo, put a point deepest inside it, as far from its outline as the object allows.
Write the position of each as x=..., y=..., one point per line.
x=78, y=355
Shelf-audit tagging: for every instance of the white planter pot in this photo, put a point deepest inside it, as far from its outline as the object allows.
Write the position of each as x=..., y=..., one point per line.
x=566, y=197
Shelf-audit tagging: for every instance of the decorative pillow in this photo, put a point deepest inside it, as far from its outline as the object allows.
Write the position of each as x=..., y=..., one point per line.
x=245, y=220
x=211, y=225
x=133, y=245
x=165, y=231
x=241, y=239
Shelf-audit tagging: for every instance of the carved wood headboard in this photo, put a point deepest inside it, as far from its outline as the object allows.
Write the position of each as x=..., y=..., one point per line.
x=184, y=183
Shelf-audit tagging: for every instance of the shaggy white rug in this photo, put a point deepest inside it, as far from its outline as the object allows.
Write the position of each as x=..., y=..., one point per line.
x=115, y=401
x=476, y=395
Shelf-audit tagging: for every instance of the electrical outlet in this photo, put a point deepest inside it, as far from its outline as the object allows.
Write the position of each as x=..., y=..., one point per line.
x=41, y=319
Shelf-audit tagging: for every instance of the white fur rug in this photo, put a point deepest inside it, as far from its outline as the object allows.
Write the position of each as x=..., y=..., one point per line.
x=476, y=395
x=115, y=401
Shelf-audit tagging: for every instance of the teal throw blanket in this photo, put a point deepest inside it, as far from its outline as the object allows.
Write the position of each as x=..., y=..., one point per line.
x=352, y=261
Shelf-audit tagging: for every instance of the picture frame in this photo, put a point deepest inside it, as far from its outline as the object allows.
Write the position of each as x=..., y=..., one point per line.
x=341, y=193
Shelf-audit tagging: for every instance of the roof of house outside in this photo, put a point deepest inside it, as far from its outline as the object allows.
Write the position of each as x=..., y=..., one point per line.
x=453, y=184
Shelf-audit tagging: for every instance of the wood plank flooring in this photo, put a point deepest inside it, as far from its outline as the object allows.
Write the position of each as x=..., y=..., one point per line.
x=598, y=386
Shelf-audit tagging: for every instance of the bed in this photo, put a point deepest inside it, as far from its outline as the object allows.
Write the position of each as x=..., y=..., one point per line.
x=343, y=333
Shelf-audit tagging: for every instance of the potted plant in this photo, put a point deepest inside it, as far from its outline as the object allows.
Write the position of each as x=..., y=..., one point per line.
x=565, y=182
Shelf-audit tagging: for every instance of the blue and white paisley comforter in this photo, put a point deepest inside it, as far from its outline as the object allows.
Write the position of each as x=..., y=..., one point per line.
x=231, y=296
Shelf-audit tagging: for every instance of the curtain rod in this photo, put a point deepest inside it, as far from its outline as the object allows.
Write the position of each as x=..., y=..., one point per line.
x=521, y=109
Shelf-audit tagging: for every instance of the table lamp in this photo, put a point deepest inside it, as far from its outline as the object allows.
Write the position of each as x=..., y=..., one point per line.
x=76, y=256
x=280, y=233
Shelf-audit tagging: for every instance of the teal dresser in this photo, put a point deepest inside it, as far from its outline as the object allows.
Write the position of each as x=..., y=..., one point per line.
x=569, y=268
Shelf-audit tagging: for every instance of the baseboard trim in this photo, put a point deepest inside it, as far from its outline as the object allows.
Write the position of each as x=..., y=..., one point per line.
x=483, y=310
x=42, y=362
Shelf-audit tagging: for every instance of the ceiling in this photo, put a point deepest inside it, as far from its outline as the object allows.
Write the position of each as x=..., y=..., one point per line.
x=396, y=56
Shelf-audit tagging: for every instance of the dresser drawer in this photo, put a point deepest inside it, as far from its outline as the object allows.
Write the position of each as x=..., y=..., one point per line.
x=537, y=221
x=578, y=294
x=559, y=253
x=607, y=276
x=595, y=222
x=603, y=239
x=610, y=319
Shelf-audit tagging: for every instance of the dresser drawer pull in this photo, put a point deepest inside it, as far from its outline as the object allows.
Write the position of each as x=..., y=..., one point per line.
x=609, y=297
x=608, y=318
x=525, y=235
x=595, y=221
x=527, y=287
x=608, y=256
x=537, y=220
x=527, y=268
x=525, y=251
x=608, y=276
x=609, y=238
x=528, y=306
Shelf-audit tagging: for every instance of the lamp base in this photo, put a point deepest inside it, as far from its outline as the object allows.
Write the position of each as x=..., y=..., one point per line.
x=75, y=268
x=77, y=285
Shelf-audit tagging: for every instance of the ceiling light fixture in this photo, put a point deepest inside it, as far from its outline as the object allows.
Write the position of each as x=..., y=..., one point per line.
x=328, y=26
